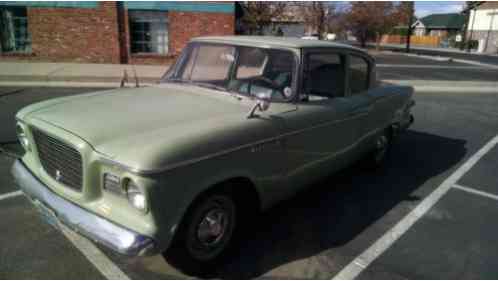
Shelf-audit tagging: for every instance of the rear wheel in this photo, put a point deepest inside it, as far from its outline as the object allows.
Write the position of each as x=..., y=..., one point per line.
x=205, y=234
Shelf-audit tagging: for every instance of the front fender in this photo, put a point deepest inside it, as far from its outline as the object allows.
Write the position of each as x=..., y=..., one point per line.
x=178, y=188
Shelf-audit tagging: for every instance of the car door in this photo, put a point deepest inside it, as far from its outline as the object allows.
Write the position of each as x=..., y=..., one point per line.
x=318, y=131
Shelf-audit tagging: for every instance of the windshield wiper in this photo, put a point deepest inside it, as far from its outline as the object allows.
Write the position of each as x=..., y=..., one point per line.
x=207, y=85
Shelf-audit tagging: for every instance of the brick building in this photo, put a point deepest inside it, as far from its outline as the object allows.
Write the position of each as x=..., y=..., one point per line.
x=107, y=32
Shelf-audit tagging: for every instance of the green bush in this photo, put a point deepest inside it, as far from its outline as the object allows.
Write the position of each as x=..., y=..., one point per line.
x=470, y=43
x=403, y=31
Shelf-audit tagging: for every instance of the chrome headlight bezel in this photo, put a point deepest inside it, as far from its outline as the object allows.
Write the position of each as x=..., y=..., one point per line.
x=135, y=195
x=22, y=137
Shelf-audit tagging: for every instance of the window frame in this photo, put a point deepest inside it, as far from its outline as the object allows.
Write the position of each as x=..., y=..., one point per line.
x=176, y=68
x=369, y=62
x=321, y=50
x=163, y=18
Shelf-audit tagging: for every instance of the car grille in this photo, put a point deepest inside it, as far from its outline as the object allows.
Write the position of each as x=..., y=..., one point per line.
x=61, y=161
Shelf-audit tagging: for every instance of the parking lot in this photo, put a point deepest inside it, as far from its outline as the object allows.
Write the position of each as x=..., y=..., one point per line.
x=430, y=214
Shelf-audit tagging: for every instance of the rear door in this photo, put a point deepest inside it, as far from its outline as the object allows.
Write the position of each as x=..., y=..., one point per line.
x=319, y=129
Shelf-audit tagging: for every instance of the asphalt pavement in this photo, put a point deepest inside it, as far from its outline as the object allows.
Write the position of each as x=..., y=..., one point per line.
x=455, y=54
x=395, y=66
x=323, y=230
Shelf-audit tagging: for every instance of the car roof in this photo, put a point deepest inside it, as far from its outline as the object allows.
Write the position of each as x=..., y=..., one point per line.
x=273, y=41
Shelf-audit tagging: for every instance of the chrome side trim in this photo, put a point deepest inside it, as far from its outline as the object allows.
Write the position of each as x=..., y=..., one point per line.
x=92, y=226
x=144, y=172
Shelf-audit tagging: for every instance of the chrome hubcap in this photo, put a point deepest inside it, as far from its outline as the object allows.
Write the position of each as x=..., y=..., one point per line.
x=212, y=227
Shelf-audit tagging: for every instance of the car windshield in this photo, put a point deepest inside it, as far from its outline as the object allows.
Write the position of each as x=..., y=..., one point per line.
x=245, y=70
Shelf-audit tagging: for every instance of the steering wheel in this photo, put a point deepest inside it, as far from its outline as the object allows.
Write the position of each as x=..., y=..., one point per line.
x=272, y=85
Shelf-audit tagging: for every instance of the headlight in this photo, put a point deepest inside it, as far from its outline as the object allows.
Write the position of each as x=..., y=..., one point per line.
x=21, y=135
x=135, y=196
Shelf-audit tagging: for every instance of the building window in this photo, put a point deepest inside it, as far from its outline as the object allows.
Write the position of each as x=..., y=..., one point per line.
x=14, y=34
x=148, y=32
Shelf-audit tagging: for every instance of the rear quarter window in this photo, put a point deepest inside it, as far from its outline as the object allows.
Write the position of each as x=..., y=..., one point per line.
x=359, y=74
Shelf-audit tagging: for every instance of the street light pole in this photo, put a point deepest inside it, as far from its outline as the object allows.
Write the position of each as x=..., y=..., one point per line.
x=410, y=22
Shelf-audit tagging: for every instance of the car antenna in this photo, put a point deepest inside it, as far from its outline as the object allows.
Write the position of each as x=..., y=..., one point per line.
x=137, y=84
x=124, y=80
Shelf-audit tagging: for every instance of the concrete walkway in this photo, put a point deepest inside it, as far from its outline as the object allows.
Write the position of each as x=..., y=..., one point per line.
x=75, y=73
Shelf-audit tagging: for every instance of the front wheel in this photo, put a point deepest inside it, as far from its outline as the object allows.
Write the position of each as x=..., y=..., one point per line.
x=205, y=235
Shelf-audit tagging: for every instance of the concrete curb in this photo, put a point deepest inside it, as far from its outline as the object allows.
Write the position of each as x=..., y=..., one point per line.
x=448, y=86
x=419, y=85
x=442, y=58
x=67, y=84
x=99, y=79
x=445, y=83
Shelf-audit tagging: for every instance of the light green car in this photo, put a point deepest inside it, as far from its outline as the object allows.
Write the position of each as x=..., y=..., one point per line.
x=235, y=126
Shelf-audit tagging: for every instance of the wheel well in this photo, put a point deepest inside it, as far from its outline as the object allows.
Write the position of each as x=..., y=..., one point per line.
x=241, y=189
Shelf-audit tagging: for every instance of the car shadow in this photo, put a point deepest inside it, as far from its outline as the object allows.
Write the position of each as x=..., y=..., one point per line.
x=338, y=209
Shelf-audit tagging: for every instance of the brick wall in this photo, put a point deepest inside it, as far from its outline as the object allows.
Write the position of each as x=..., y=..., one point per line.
x=185, y=25
x=101, y=35
x=74, y=34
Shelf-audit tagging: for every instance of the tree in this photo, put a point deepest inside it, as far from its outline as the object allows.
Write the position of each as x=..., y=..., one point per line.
x=368, y=20
x=317, y=16
x=258, y=14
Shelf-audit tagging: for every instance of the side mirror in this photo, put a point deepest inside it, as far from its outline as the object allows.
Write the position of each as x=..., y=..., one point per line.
x=263, y=101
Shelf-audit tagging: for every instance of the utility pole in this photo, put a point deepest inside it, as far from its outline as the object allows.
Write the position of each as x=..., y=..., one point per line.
x=410, y=23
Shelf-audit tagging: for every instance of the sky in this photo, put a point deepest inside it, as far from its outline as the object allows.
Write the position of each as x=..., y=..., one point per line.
x=424, y=8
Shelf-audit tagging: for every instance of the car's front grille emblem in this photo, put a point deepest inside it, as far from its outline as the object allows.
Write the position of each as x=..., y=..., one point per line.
x=58, y=175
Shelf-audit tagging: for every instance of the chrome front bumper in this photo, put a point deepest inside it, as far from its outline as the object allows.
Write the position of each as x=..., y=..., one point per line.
x=56, y=209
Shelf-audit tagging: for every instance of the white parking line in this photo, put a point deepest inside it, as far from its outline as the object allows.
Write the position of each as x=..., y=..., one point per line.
x=108, y=268
x=10, y=195
x=353, y=269
x=475, y=191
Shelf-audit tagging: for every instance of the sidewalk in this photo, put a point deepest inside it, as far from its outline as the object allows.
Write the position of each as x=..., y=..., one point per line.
x=75, y=74
x=79, y=75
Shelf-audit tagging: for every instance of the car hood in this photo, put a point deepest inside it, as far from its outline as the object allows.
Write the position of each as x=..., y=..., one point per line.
x=131, y=121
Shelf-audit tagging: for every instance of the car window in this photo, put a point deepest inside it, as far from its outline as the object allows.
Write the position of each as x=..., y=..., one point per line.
x=251, y=63
x=209, y=63
x=324, y=75
x=266, y=71
x=358, y=78
x=250, y=71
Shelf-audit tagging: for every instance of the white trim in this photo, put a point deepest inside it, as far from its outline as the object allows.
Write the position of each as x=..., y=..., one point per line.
x=421, y=24
x=10, y=195
x=353, y=269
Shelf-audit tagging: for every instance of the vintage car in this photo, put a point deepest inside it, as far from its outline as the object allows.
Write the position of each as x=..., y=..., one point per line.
x=236, y=125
